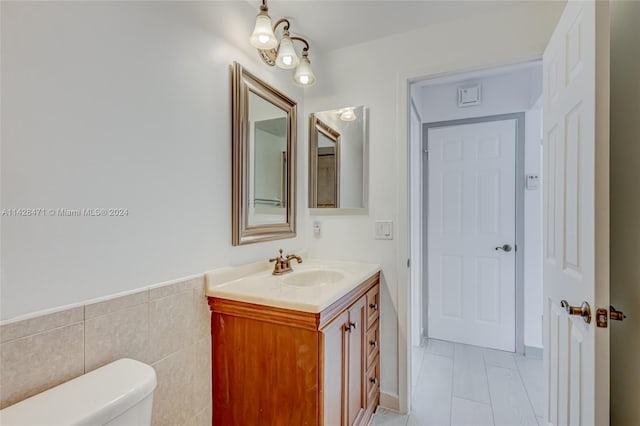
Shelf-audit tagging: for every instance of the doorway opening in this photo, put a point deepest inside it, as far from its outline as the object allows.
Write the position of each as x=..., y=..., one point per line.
x=476, y=246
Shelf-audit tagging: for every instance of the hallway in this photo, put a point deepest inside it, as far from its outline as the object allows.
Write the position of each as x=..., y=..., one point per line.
x=462, y=385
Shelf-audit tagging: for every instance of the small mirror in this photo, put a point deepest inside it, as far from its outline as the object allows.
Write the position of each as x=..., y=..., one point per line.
x=338, y=175
x=263, y=194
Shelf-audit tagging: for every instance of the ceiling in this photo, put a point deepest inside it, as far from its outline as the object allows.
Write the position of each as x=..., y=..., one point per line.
x=332, y=24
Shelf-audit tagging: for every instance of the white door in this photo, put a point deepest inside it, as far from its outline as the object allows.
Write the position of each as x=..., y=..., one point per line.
x=471, y=215
x=576, y=214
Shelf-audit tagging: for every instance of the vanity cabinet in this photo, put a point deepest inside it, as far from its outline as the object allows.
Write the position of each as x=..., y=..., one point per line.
x=274, y=366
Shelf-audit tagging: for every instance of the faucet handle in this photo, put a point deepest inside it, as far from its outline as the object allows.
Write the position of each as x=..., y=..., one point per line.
x=276, y=259
x=295, y=257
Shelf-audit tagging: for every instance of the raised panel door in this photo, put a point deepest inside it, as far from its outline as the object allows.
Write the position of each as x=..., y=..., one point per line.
x=334, y=340
x=356, y=392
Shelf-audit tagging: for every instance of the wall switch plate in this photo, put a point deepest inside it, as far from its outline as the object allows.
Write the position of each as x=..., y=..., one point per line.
x=384, y=230
x=317, y=227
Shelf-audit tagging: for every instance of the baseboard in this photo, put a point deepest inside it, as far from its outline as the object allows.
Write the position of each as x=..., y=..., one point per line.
x=533, y=352
x=389, y=401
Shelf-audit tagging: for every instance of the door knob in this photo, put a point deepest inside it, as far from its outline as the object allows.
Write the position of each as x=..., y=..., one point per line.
x=616, y=315
x=506, y=248
x=584, y=310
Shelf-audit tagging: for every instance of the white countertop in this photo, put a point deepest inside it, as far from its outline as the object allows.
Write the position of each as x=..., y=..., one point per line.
x=254, y=283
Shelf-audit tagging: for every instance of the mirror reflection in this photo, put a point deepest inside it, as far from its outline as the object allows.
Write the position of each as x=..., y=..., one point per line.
x=267, y=162
x=337, y=158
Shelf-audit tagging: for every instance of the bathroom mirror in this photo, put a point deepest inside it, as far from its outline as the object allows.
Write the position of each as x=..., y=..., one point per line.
x=338, y=172
x=263, y=163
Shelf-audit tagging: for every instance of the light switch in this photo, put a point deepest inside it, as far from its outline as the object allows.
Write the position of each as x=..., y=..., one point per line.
x=384, y=230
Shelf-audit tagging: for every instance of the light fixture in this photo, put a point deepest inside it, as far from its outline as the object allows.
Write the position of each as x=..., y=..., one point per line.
x=348, y=114
x=281, y=53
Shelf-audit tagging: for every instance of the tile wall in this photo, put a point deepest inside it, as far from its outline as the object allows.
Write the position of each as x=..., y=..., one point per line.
x=166, y=326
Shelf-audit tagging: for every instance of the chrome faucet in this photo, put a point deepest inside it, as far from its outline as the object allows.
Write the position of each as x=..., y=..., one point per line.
x=283, y=264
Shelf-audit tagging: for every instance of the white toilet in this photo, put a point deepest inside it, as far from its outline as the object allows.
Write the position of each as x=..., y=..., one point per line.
x=118, y=394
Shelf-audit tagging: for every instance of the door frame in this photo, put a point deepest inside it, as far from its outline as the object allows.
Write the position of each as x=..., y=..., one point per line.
x=519, y=117
x=404, y=79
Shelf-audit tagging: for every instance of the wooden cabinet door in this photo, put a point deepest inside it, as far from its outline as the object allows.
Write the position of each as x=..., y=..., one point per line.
x=356, y=386
x=334, y=364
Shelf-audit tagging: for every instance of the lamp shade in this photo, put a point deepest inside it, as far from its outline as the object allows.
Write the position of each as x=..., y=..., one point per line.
x=263, y=36
x=303, y=75
x=287, y=58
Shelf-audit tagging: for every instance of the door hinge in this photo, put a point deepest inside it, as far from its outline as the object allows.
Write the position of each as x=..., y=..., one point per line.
x=408, y=263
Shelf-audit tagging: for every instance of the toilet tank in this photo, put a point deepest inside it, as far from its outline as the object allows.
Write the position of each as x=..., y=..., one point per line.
x=120, y=393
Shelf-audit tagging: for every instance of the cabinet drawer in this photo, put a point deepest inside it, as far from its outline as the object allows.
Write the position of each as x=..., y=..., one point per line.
x=373, y=305
x=373, y=343
x=373, y=382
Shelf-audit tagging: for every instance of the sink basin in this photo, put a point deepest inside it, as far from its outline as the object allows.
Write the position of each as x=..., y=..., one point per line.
x=313, y=278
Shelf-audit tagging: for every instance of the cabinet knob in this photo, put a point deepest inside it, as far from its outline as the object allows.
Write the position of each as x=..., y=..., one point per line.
x=373, y=380
x=373, y=306
x=353, y=325
x=373, y=343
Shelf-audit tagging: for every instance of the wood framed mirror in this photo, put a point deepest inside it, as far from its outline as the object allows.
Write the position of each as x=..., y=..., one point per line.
x=324, y=164
x=263, y=184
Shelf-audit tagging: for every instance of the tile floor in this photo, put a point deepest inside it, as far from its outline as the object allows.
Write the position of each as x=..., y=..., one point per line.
x=462, y=385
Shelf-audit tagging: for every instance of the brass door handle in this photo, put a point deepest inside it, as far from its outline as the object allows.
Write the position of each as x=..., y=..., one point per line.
x=584, y=310
x=616, y=315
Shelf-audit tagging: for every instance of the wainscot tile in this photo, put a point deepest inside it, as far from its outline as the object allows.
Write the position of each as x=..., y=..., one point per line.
x=22, y=328
x=41, y=361
x=173, y=398
x=114, y=304
x=172, y=324
x=164, y=290
x=120, y=334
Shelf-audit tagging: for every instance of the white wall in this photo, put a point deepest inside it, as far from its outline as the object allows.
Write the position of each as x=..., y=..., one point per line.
x=502, y=93
x=505, y=92
x=121, y=104
x=371, y=74
x=625, y=211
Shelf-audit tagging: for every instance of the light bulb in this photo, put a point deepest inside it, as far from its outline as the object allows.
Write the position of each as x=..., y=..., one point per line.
x=304, y=79
x=263, y=38
x=348, y=115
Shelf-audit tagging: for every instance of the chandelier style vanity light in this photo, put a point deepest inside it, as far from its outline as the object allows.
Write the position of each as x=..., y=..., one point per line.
x=281, y=53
